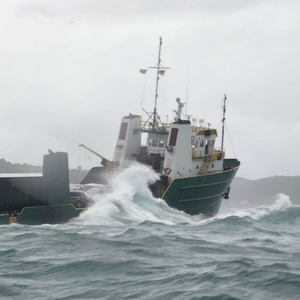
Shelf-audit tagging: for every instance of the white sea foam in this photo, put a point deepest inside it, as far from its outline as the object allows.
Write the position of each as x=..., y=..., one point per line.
x=282, y=203
x=131, y=201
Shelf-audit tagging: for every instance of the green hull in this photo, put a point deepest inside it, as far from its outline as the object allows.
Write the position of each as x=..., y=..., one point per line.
x=37, y=215
x=38, y=200
x=46, y=200
x=201, y=194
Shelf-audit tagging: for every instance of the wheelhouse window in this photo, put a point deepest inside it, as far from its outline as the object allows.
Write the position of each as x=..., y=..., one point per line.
x=161, y=144
x=154, y=143
x=211, y=143
x=123, y=131
x=173, y=137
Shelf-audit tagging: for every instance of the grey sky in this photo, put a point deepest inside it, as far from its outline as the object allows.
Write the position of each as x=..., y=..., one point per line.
x=70, y=71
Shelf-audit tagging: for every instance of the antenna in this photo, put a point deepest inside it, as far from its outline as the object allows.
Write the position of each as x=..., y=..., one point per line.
x=186, y=91
x=223, y=121
x=160, y=70
x=157, y=80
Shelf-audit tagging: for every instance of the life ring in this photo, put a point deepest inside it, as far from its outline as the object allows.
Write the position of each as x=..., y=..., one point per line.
x=116, y=163
x=167, y=171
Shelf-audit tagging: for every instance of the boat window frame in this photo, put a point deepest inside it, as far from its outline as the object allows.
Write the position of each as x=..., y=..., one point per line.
x=155, y=143
x=123, y=131
x=173, y=137
x=161, y=144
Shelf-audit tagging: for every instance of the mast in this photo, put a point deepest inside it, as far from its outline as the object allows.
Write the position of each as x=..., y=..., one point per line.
x=160, y=70
x=223, y=121
x=157, y=81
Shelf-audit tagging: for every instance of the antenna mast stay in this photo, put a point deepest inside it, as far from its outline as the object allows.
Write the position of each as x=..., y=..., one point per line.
x=223, y=121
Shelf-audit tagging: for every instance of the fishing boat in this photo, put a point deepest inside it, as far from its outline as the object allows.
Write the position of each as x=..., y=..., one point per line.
x=194, y=174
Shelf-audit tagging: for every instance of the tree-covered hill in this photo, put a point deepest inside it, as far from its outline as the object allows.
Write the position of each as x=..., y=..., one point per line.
x=246, y=193
x=7, y=167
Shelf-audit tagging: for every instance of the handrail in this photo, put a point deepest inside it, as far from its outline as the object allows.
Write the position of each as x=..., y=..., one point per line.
x=201, y=153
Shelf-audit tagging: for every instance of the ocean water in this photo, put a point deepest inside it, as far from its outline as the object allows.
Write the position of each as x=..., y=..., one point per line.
x=132, y=246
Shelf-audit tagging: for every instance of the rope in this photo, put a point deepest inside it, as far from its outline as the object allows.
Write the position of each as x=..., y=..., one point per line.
x=79, y=158
x=230, y=140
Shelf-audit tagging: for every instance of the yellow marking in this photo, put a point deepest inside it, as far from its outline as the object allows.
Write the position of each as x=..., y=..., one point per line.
x=79, y=208
x=212, y=131
x=13, y=220
x=56, y=205
x=167, y=188
x=220, y=155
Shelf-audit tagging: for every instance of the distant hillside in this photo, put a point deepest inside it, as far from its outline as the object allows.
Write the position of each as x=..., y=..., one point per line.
x=7, y=167
x=76, y=175
x=246, y=193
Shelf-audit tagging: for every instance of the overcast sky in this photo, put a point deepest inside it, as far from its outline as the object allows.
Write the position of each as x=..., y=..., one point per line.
x=70, y=72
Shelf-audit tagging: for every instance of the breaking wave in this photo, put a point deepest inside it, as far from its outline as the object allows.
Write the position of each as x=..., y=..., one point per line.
x=282, y=204
x=131, y=202
x=282, y=212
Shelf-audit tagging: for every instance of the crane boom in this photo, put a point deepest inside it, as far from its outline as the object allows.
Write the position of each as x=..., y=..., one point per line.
x=97, y=154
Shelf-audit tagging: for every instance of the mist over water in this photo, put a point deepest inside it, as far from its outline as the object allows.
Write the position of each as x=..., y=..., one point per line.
x=130, y=245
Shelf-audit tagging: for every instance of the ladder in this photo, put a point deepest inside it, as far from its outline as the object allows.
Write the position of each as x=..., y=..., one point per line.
x=206, y=164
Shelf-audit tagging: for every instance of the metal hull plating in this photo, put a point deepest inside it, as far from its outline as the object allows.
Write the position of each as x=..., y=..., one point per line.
x=201, y=194
x=38, y=200
x=36, y=215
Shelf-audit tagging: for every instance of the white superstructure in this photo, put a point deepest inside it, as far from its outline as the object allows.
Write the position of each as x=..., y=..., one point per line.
x=176, y=150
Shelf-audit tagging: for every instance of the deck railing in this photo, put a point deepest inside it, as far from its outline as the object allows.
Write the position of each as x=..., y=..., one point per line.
x=148, y=126
x=215, y=153
x=145, y=151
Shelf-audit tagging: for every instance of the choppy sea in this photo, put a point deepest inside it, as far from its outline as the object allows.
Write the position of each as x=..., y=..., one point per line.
x=132, y=246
